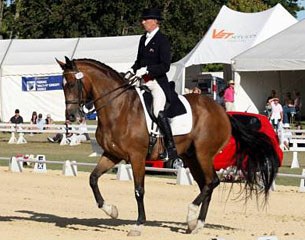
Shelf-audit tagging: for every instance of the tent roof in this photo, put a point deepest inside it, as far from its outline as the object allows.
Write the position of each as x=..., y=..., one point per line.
x=233, y=32
x=110, y=50
x=284, y=51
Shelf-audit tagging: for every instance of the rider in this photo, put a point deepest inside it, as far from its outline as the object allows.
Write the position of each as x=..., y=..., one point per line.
x=152, y=64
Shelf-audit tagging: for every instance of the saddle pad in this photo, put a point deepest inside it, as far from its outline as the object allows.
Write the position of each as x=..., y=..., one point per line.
x=180, y=125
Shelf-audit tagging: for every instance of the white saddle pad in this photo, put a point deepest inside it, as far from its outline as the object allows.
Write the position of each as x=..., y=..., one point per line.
x=180, y=125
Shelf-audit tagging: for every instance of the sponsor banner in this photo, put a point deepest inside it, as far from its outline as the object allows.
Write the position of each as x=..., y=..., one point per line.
x=41, y=83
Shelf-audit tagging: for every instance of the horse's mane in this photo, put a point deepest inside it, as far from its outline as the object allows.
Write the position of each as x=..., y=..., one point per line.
x=105, y=68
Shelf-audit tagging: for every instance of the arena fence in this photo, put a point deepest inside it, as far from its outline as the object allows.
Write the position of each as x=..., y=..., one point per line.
x=124, y=171
x=18, y=131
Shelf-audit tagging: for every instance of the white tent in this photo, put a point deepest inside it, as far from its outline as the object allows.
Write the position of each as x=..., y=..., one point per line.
x=29, y=74
x=232, y=33
x=277, y=63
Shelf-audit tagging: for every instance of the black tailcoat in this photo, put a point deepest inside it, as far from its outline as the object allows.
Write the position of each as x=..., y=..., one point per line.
x=156, y=57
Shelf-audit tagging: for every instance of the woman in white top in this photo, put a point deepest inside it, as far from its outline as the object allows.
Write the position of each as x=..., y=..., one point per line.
x=276, y=112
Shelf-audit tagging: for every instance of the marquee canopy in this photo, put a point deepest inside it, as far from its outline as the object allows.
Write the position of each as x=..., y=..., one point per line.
x=232, y=33
x=283, y=51
x=29, y=72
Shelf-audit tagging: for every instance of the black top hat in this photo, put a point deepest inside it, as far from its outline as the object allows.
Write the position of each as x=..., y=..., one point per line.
x=151, y=13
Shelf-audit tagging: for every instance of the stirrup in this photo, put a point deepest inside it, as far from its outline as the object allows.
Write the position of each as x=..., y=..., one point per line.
x=165, y=156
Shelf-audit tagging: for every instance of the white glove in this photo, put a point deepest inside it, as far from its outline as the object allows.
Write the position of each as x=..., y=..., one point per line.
x=130, y=70
x=140, y=72
x=129, y=74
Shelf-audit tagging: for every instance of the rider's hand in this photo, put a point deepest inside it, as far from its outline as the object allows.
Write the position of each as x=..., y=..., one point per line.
x=142, y=71
x=129, y=73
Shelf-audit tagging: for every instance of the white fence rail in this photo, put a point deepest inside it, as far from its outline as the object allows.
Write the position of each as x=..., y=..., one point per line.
x=22, y=129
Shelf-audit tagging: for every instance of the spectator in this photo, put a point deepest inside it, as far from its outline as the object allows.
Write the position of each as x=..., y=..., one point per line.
x=297, y=105
x=268, y=105
x=276, y=112
x=273, y=95
x=288, y=108
x=40, y=122
x=17, y=119
x=49, y=119
x=228, y=96
x=34, y=118
x=81, y=136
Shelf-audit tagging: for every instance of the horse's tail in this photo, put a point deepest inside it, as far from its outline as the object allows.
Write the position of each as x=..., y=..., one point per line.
x=256, y=157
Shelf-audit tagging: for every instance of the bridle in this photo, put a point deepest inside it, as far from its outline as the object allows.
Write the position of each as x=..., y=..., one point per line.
x=80, y=86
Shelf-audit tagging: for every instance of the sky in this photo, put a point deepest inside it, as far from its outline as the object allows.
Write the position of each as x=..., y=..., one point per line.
x=301, y=14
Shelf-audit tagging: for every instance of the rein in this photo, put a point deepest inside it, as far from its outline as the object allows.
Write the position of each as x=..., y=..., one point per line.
x=125, y=87
x=79, y=81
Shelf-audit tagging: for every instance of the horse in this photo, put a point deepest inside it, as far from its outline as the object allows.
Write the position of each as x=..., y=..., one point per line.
x=122, y=133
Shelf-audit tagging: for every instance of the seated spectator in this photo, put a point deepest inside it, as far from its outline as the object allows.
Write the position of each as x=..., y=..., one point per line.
x=276, y=113
x=288, y=108
x=285, y=135
x=17, y=119
x=34, y=118
x=49, y=120
x=40, y=122
x=82, y=134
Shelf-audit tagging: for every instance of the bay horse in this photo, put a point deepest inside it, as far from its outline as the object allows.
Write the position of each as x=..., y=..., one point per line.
x=122, y=133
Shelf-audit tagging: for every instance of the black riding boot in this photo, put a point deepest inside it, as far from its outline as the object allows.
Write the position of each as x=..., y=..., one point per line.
x=166, y=130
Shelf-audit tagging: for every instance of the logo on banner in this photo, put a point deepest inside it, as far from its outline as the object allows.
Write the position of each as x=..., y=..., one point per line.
x=223, y=34
x=41, y=83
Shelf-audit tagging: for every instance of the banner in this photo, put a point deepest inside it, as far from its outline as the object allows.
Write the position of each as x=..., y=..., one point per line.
x=41, y=83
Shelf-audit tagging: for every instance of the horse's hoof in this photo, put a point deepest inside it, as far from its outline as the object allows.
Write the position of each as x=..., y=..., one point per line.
x=199, y=226
x=111, y=210
x=192, y=216
x=136, y=231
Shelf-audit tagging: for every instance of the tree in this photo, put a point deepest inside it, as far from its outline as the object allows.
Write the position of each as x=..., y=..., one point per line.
x=185, y=21
x=247, y=5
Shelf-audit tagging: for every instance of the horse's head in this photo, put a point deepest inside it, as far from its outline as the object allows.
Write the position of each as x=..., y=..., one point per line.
x=76, y=96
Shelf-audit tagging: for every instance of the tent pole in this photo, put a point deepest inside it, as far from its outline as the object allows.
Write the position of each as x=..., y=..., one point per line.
x=74, y=50
x=2, y=61
x=280, y=85
x=183, y=81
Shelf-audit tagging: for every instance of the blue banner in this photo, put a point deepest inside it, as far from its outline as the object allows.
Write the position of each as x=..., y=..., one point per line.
x=43, y=83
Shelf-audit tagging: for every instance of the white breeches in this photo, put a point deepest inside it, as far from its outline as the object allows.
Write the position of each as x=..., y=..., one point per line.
x=159, y=98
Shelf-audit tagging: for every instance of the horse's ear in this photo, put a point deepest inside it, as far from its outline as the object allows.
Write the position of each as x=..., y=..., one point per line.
x=69, y=63
x=61, y=64
x=67, y=60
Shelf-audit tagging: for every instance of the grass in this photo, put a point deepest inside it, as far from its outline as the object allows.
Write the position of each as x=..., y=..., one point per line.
x=38, y=144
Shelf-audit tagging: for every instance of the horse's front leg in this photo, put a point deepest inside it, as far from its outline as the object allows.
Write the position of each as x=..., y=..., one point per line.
x=138, y=168
x=103, y=166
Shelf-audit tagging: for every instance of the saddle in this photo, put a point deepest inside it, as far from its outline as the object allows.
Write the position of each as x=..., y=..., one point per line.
x=179, y=112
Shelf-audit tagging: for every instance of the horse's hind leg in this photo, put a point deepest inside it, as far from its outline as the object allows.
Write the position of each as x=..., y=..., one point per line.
x=207, y=180
x=103, y=166
x=204, y=199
